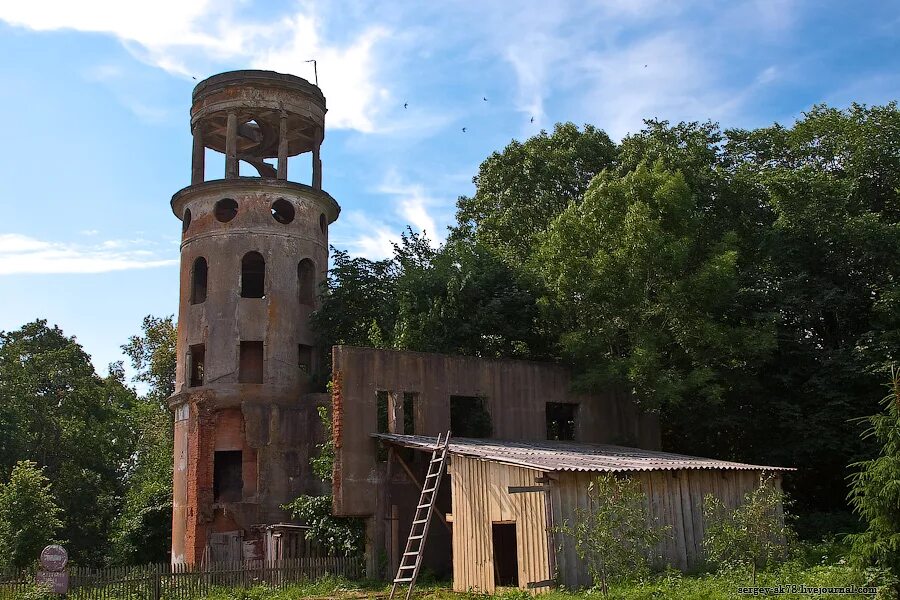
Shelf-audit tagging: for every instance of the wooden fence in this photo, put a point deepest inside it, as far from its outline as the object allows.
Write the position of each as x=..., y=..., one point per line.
x=185, y=582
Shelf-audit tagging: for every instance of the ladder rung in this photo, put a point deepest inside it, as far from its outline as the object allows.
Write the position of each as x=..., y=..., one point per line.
x=406, y=567
x=438, y=459
x=428, y=490
x=415, y=537
x=417, y=521
x=423, y=506
x=431, y=475
x=403, y=580
x=410, y=554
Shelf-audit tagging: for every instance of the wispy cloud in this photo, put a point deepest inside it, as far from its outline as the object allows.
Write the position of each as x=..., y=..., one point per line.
x=361, y=235
x=190, y=37
x=22, y=254
x=413, y=204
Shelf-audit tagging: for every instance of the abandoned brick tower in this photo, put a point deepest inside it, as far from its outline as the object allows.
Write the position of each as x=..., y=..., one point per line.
x=253, y=252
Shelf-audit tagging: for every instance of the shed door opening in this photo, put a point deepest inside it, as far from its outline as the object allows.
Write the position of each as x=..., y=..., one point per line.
x=228, y=481
x=506, y=561
x=561, y=420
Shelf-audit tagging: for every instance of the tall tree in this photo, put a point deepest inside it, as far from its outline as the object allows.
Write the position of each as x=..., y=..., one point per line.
x=29, y=516
x=642, y=299
x=54, y=409
x=144, y=529
x=520, y=190
x=875, y=491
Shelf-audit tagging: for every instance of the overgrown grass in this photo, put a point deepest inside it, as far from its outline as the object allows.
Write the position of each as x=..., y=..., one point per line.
x=813, y=565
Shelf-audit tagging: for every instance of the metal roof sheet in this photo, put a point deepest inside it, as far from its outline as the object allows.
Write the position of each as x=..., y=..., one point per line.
x=571, y=456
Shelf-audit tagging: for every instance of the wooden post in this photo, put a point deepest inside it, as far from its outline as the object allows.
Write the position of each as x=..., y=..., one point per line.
x=198, y=157
x=282, y=148
x=395, y=538
x=231, y=160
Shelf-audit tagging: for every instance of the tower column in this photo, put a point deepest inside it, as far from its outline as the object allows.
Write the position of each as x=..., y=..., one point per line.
x=198, y=157
x=316, y=161
x=231, y=160
x=282, y=147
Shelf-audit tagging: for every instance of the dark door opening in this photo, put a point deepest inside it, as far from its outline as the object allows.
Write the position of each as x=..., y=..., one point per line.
x=228, y=480
x=506, y=559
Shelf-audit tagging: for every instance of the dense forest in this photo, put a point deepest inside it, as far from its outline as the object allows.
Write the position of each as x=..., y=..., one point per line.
x=744, y=284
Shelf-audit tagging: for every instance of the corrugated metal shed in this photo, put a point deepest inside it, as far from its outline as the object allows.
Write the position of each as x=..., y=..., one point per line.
x=572, y=456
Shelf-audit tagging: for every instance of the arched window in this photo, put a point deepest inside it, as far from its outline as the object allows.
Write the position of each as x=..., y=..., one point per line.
x=186, y=220
x=253, y=276
x=198, y=281
x=306, y=279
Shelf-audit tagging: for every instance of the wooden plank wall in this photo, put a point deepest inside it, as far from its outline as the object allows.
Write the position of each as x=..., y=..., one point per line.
x=480, y=498
x=674, y=498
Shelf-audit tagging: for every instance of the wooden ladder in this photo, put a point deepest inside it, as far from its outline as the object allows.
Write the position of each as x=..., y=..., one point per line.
x=418, y=533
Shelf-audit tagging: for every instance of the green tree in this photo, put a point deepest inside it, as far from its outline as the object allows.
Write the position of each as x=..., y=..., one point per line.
x=641, y=299
x=751, y=535
x=143, y=531
x=614, y=534
x=875, y=490
x=29, y=516
x=520, y=190
x=57, y=412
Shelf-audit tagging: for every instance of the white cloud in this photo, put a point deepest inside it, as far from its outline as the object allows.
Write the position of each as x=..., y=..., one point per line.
x=364, y=236
x=188, y=37
x=412, y=204
x=21, y=255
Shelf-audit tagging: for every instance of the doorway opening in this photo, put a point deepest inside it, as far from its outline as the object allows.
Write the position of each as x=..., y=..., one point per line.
x=506, y=560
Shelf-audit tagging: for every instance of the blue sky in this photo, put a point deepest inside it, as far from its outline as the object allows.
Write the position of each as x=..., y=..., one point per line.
x=97, y=94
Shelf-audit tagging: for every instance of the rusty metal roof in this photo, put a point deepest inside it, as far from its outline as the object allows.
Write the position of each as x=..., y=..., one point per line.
x=571, y=456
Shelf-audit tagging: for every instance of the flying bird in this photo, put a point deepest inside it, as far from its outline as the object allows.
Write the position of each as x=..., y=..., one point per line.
x=532, y=119
x=483, y=98
x=645, y=66
x=405, y=105
x=464, y=129
x=194, y=78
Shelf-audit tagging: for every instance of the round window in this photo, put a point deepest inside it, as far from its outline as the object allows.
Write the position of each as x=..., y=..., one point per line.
x=282, y=211
x=226, y=210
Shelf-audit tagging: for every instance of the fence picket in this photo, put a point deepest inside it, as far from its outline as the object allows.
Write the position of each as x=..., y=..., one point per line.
x=180, y=581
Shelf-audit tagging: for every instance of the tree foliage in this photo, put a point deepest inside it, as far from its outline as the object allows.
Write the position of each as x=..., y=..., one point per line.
x=57, y=412
x=875, y=491
x=751, y=535
x=614, y=534
x=144, y=528
x=29, y=516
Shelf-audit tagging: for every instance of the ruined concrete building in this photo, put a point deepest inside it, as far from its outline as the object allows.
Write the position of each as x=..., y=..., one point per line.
x=253, y=253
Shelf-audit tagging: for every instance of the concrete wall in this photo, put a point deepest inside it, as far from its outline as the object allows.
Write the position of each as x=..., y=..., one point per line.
x=516, y=393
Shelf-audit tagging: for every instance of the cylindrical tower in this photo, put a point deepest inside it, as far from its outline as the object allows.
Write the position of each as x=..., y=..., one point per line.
x=254, y=251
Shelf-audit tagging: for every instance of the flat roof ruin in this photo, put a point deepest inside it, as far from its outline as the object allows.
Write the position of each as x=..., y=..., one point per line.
x=571, y=456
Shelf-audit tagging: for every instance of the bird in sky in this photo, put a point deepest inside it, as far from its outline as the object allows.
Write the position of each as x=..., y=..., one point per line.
x=194, y=78
x=645, y=66
x=483, y=98
x=464, y=129
x=532, y=119
x=406, y=105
